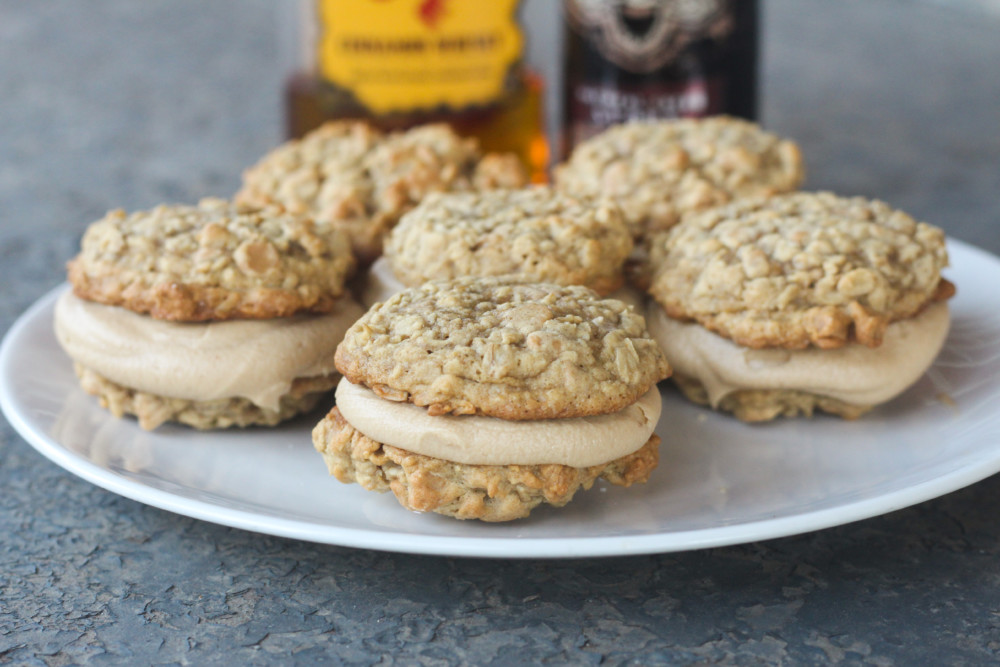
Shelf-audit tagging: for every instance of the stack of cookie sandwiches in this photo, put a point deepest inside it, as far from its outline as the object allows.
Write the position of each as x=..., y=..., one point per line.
x=212, y=315
x=658, y=170
x=538, y=233
x=481, y=398
x=780, y=306
x=350, y=175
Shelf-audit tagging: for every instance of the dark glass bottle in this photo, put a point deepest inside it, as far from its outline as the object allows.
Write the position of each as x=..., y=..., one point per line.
x=628, y=59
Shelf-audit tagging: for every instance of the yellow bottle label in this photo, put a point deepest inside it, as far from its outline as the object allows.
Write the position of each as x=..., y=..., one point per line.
x=409, y=55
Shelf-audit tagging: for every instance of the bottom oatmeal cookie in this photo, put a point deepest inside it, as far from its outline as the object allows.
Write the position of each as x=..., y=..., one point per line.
x=152, y=410
x=485, y=492
x=757, y=405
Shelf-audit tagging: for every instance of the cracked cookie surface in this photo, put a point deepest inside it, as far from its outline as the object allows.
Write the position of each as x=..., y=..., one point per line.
x=503, y=348
x=212, y=261
x=659, y=170
x=354, y=177
x=538, y=233
x=484, y=492
x=799, y=269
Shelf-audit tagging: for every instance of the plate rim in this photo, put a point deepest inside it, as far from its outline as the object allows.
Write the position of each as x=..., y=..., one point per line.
x=473, y=546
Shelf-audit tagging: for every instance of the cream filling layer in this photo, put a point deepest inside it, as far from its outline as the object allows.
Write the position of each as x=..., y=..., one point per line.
x=477, y=440
x=381, y=283
x=854, y=374
x=253, y=359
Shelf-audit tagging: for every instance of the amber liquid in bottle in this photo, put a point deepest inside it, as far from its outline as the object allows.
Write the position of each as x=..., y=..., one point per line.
x=512, y=121
x=513, y=125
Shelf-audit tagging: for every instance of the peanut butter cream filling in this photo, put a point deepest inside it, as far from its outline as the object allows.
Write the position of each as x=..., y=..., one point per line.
x=477, y=440
x=854, y=374
x=253, y=359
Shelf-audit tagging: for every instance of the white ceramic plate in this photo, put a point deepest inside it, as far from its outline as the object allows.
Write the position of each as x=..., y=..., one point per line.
x=719, y=481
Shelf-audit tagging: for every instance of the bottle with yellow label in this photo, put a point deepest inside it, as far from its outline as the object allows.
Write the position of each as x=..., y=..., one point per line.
x=400, y=63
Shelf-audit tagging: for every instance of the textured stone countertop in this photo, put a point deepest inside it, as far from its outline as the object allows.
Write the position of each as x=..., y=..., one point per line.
x=117, y=103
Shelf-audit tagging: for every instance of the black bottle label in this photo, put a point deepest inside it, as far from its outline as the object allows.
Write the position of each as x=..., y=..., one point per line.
x=629, y=59
x=646, y=35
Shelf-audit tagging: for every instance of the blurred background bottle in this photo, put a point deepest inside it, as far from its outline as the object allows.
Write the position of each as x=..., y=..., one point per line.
x=400, y=63
x=628, y=59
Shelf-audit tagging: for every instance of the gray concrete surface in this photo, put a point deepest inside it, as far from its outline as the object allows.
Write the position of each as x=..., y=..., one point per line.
x=114, y=103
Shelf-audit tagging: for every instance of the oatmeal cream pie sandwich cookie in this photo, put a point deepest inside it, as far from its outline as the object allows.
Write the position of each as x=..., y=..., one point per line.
x=537, y=233
x=350, y=175
x=212, y=315
x=781, y=306
x=481, y=398
x=659, y=170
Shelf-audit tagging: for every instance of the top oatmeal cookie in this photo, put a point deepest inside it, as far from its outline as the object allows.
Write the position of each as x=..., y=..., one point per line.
x=658, y=170
x=349, y=174
x=504, y=348
x=536, y=233
x=799, y=269
x=213, y=261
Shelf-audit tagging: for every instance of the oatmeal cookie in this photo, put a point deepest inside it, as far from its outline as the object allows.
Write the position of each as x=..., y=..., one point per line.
x=757, y=405
x=503, y=348
x=153, y=410
x=213, y=261
x=357, y=179
x=537, y=233
x=658, y=170
x=484, y=492
x=799, y=269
